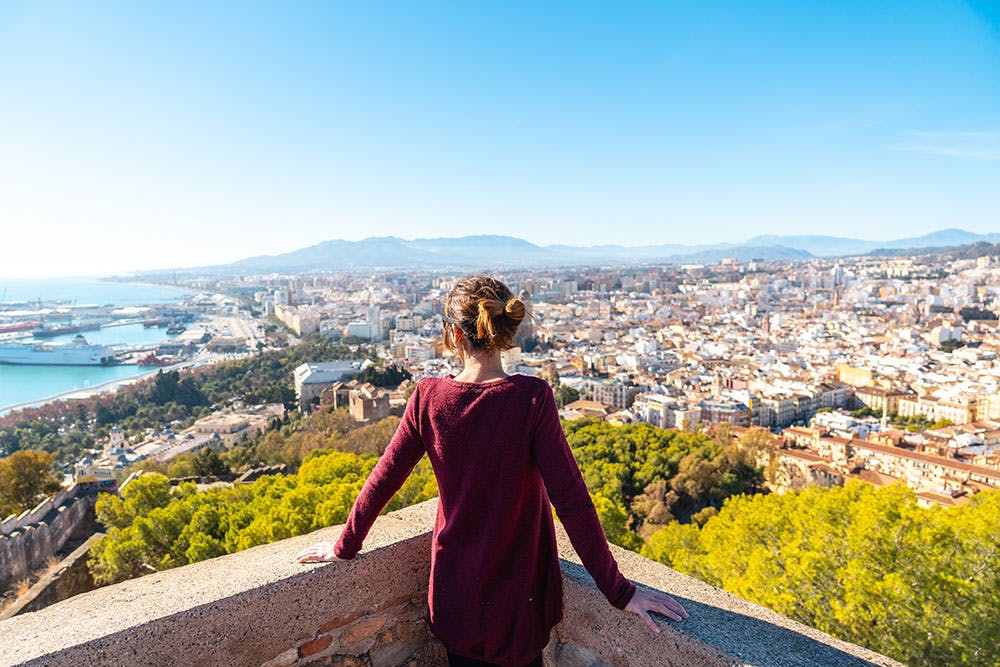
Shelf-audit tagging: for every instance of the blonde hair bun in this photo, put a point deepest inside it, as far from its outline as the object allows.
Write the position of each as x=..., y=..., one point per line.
x=485, y=311
x=488, y=309
x=515, y=309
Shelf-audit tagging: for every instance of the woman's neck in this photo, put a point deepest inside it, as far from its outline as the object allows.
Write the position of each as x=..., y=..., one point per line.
x=481, y=367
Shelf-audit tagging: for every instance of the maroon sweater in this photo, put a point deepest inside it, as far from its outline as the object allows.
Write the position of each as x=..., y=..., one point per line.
x=499, y=455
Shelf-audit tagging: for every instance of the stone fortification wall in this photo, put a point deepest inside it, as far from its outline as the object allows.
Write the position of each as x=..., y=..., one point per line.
x=28, y=544
x=39, y=512
x=70, y=577
x=260, y=607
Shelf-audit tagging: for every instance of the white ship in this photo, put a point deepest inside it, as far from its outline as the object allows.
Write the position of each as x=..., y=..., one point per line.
x=76, y=353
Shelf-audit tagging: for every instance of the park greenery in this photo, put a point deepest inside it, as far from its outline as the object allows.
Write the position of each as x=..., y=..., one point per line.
x=390, y=376
x=643, y=477
x=913, y=423
x=154, y=526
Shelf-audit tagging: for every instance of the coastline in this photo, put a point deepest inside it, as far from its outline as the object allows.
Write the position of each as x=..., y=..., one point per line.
x=110, y=386
x=30, y=390
x=122, y=280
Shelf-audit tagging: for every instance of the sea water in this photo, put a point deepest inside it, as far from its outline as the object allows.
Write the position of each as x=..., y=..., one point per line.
x=83, y=291
x=21, y=385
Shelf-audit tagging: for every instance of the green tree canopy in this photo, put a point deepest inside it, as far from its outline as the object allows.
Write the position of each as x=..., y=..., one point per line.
x=26, y=478
x=153, y=527
x=865, y=564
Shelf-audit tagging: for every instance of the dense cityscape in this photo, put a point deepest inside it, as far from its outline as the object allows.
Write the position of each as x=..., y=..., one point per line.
x=883, y=369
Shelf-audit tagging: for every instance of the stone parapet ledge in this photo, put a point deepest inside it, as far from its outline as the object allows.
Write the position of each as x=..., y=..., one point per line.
x=259, y=607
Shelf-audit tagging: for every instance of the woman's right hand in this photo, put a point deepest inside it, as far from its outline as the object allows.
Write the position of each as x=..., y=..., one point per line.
x=644, y=601
x=321, y=552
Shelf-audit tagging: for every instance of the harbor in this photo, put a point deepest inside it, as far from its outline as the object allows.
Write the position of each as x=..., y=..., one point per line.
x=212, y=338
x=61, y=349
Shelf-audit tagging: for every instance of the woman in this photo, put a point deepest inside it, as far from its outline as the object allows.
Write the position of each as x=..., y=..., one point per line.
x=499, y=456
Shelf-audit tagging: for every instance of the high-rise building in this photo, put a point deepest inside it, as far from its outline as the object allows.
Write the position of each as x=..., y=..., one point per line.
x=526, y=330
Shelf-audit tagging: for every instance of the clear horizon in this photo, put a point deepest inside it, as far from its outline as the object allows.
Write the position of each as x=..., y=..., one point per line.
x=54, y=278
x=144, y=136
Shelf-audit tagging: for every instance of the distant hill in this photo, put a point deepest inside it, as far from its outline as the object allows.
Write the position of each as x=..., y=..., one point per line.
x=833, y=246
x=946, y=253
x=490, y=251
x=493, y=251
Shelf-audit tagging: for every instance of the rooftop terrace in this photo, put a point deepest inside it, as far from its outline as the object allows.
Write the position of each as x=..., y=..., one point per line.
x=259, y=607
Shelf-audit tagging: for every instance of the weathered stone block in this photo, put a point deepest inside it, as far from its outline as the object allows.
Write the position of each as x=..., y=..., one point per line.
x=395, y=645
x=411, y=612
x=402, y=631
x=431, y=654
x=283, y=659
x=362, y=630
x=340, y=621
x=314, y=646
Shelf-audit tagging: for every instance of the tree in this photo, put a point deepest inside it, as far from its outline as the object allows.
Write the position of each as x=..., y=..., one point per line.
x=391, y=376
x=181, y=467
x=25, y=479
x=164, y=387
x=566, y=395
x=188, y=393
x=950, y=345
x=208, y=463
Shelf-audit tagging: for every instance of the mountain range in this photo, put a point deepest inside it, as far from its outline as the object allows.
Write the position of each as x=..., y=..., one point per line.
x=390, y=252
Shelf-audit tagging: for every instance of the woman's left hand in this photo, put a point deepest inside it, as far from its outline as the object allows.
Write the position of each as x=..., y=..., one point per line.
x=321, y=552
x=644, y=601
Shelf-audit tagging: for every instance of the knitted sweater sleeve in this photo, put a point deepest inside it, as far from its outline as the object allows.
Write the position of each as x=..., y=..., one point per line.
x=566, y=489
x=392, y=469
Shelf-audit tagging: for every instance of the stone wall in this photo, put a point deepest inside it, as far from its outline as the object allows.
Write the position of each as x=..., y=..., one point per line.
x=260, y=607
x=392, y=635
x=70, y=577
x=38, y=512
x=29, y=545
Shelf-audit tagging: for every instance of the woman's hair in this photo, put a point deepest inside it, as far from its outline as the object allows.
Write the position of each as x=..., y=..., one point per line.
x=486, y=311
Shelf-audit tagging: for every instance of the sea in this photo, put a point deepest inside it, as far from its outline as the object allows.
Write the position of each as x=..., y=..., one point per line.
x=31, y=385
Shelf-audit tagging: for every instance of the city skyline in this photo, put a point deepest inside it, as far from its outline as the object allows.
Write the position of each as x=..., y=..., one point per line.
x=142, y=137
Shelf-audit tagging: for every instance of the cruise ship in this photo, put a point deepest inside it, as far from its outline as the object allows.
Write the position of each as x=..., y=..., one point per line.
x=76, y=353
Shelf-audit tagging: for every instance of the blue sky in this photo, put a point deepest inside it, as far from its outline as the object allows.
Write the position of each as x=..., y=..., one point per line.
x=142, y=135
